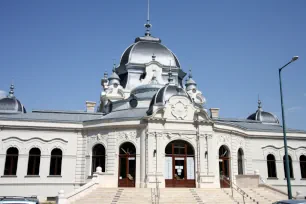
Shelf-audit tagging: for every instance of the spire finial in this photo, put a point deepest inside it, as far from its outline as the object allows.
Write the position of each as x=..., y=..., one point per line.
x=259, y=103
x=148, y=25
x=190, y=74
x=114, y=65
x=105, y=74
x=11, y=93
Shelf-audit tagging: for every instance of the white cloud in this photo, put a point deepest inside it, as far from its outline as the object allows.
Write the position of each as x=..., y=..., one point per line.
x=293, y=109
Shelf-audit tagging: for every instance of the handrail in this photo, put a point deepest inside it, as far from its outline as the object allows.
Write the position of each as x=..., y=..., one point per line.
x=238, y=189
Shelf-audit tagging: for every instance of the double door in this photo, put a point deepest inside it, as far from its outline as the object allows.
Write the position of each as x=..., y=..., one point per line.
x=127, y=170
x=179, y=171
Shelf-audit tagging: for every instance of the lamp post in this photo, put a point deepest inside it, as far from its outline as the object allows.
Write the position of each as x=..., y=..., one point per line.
x=284, y=129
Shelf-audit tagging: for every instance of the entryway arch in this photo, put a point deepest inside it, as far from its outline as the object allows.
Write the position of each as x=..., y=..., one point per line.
x=127, y=165
x=179, y=164
x=224, y=166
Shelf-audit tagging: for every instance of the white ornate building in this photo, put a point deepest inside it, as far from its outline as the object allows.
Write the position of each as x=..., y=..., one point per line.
x=148, y=127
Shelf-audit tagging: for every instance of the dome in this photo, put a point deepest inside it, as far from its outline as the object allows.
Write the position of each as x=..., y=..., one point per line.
x=164, y=94
x=146, y=91
x=262, y=116
x=10, y=104
x=142, y=50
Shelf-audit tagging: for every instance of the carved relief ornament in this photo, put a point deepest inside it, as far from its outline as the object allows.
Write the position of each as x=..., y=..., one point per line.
x=179, y=110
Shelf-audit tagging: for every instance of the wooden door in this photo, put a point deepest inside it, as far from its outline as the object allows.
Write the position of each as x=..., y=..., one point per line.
x=180, y=165
x=127, y=171
x=224, y=168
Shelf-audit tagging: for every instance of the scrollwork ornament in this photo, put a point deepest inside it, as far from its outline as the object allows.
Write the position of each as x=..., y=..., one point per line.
x=179, y=110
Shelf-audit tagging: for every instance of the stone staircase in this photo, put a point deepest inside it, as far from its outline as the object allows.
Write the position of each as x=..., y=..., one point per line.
x=178, y=195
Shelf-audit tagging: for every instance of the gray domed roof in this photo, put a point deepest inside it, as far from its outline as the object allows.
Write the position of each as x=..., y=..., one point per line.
x=262, y=116
x=10, y=104
x=164, y=94
x=146, y=91
x=142, y=50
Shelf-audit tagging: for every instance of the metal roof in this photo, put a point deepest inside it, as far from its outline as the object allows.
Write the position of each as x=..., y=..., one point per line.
x=255, y=125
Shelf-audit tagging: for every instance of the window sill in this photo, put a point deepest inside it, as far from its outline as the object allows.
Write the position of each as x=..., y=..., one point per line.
x=54, y=176
x=272, y=178
x=303, y=178
x=290, y=178
x=9, y=176
x=32, y=176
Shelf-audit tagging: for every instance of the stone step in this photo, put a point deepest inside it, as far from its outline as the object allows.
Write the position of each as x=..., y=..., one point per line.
x=179, y=195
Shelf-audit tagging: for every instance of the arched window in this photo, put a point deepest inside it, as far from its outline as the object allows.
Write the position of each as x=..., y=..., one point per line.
x=11, y=161
x=98, y=157
x=56, y=162
x=303, y=166
x=34, y=161
x=290, y=167
x=240, y=161
x=271, y=166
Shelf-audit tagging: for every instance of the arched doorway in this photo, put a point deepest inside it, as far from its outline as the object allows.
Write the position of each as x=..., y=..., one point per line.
x=224, y=166
x=179, y=164
x=127, y=165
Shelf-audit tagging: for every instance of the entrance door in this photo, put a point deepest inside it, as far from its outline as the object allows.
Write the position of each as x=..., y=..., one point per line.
x=179, y=165
x=127, y=165
x=224, y=167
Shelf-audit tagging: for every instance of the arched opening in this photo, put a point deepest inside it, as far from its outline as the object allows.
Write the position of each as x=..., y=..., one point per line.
x=34, y=162
x=240, y=161
x=11, y=161
x=179, y=164
x=224, y=167
x=98, y=157
x=303, y=166
x=290, y=167
x=127, y=165
x=271, y=166
x=56, y=162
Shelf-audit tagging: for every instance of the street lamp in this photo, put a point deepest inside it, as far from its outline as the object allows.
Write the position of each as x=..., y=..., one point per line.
x=284, y=129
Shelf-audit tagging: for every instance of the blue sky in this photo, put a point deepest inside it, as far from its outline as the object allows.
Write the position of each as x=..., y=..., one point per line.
x=56, y=51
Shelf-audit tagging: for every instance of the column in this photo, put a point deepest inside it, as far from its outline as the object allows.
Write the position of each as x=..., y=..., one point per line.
x=142, y=158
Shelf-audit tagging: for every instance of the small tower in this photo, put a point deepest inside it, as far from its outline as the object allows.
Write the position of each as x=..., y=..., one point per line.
x=190, y=83
x=114, y=79
x=191, y=88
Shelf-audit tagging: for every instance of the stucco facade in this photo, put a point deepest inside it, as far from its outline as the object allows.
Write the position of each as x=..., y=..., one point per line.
x=154, y=130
